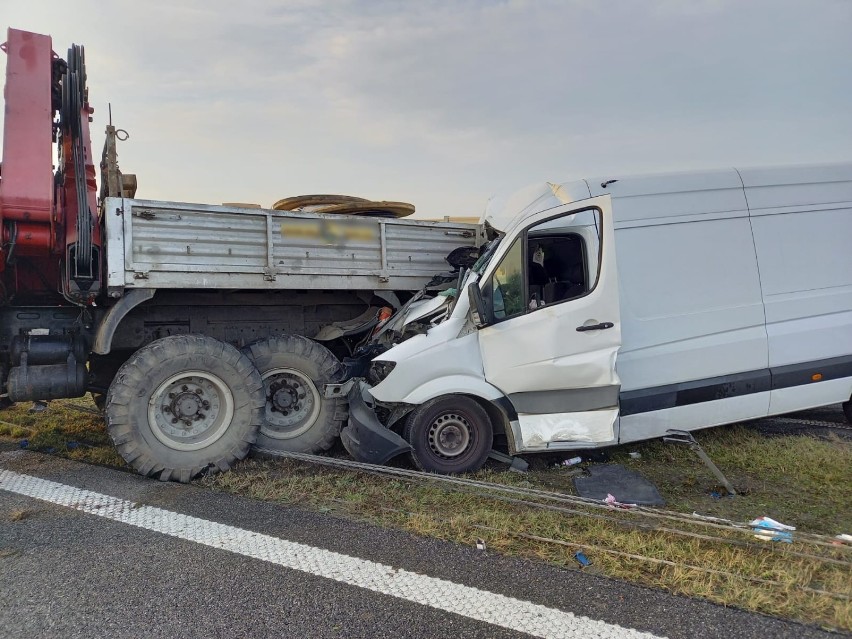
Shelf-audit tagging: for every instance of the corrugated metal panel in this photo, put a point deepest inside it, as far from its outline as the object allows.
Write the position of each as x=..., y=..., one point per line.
x=199, y=238
x=175, y=245
x=420, y=248
x=326, y=245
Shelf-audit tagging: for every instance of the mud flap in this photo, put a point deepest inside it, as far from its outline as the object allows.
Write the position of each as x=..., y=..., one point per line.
x=364, y=437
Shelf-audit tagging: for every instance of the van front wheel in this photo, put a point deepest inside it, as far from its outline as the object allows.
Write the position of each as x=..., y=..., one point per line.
x=448, y=435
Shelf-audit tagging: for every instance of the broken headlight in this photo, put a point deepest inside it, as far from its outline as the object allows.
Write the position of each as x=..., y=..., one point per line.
x=379, y=370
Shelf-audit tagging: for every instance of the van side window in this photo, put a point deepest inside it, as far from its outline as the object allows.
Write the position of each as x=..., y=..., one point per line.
x=554, y=261
x=562, y=258
x=557, y=269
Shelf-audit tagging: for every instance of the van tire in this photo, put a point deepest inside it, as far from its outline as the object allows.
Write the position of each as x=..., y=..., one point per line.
x=184, y=405
x=847, y=410
x=449, y=435
x=296, y=416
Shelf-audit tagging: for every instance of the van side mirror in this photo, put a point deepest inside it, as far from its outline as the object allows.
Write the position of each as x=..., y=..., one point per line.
x=479, y=314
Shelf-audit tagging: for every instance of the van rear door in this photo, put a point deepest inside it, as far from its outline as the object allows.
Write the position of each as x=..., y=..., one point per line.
x=553, y=326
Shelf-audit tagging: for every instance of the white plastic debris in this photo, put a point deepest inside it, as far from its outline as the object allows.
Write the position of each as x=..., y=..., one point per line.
x=480, y=544
x=767, y=529
x=768, y=522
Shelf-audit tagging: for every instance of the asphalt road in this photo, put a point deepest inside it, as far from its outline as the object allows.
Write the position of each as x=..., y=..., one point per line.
x=68, y=573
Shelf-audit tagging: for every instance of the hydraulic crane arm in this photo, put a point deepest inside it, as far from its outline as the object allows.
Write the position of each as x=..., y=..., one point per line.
x=50, y=235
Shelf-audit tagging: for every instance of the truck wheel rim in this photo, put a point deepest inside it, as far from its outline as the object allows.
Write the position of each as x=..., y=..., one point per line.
x=190, y=410
x=293, y=403
x=450, y=435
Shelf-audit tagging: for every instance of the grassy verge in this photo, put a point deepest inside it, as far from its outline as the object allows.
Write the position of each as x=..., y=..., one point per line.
x=71, y=428
x=799, y=480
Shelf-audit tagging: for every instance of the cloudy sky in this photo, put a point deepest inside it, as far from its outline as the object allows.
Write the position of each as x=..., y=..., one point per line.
x=445, y=103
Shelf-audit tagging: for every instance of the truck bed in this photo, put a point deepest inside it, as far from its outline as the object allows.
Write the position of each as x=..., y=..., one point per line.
x=156, y=244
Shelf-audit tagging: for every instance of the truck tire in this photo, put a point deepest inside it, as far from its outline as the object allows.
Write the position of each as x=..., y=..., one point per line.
x=297, y=418
x=449, y=435
x=184, y=405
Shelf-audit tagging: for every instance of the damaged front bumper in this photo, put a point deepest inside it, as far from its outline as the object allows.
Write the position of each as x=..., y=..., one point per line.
x=365, y=438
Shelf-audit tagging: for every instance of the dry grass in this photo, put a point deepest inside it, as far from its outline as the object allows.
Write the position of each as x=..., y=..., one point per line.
x=799, y=480
x=60, y=429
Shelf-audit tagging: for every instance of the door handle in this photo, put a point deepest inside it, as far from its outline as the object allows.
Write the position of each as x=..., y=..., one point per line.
x=595, y=327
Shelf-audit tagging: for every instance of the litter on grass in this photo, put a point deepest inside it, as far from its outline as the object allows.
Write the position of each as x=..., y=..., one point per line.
x=582, y=559
x=767, y=529
x=612, y=501
x=768, y=522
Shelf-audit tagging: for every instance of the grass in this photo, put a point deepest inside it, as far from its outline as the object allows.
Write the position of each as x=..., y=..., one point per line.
x=68, y=427
x=799, y=480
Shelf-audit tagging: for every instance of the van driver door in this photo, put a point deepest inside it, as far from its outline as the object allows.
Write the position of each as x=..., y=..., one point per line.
x=553, y=328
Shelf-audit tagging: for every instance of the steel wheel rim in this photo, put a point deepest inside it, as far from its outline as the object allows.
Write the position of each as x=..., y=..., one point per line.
x=293, y=403
x=450, y=435
x=190, y=410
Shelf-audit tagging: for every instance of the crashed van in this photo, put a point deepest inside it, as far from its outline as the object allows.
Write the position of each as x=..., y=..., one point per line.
x=611, y=310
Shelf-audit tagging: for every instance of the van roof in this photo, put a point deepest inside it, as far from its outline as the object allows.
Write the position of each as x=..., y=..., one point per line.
x=661, y=195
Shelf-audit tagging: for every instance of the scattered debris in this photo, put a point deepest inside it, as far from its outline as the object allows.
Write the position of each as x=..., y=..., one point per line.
x=612, y=501
x=844, y=539
x=480, y=544
x=516, y=464
x=635, y=454
x=767, y=529
x=675, y=436
x=773, y=535
x=582, y=559
x=768, y=522
x=631, y=487
x=572, y=462
x=38, y=406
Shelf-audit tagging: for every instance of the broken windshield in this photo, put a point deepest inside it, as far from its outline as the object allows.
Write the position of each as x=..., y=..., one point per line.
x=483, y=260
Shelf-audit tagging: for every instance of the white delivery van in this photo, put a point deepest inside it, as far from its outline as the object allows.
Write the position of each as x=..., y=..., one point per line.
x=611, y=310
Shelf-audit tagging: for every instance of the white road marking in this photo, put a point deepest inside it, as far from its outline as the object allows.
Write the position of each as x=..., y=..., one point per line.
x=489, y=607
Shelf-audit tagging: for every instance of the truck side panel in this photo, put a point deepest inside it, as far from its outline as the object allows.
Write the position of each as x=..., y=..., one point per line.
x=174, y=245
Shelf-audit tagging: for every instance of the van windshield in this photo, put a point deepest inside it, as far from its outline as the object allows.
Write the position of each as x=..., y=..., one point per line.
x=486, y=256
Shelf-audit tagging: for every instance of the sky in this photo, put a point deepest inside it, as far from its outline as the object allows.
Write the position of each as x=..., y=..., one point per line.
x=444, y=104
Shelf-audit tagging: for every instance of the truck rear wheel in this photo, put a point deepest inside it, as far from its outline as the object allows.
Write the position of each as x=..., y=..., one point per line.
x=450, y=434
x=183, y=405
x=297, y=417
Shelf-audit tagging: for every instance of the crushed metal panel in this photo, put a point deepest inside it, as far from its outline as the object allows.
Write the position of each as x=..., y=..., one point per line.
x=542, y=431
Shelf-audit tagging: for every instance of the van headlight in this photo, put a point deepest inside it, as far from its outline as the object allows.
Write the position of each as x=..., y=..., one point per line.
x=379, y=370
